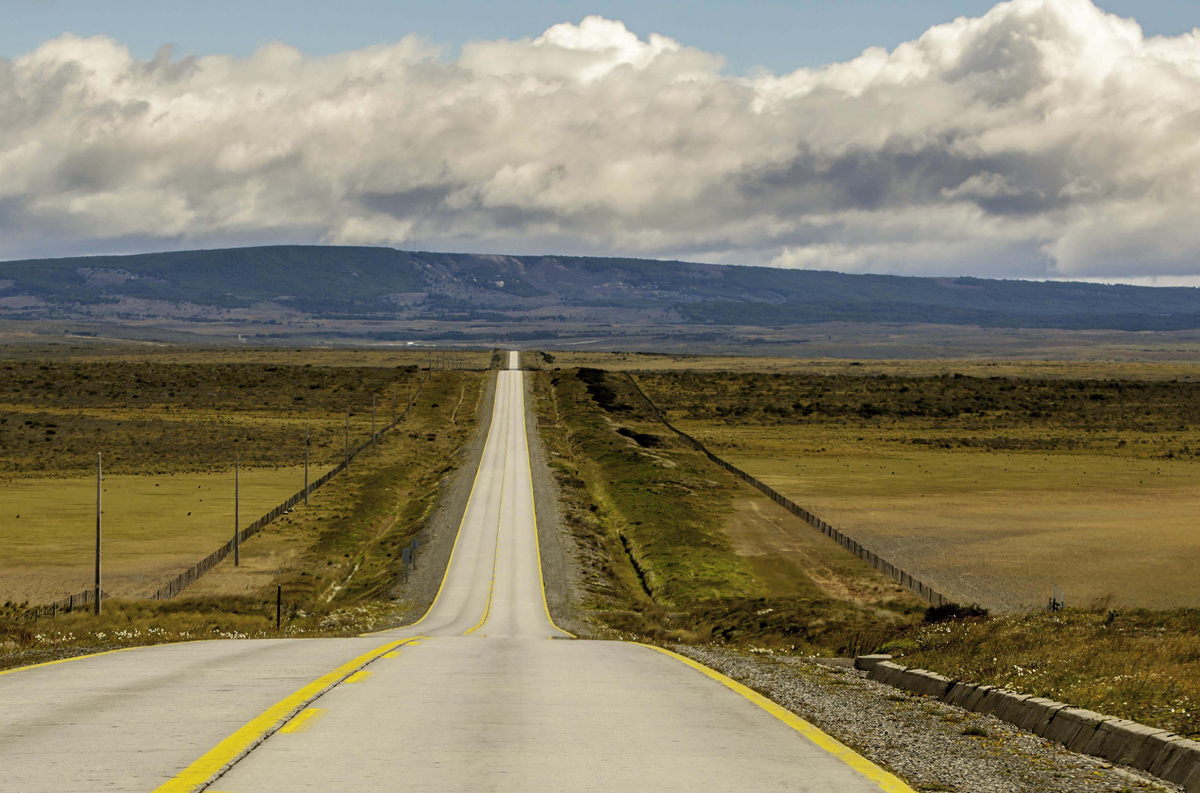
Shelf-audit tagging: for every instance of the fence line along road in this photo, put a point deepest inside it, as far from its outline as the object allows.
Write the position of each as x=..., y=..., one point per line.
x=193, y=573
x=897, y=574
x=66, y=605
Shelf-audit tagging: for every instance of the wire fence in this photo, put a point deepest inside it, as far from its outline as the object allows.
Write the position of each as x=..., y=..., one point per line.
x=198, y=570
x=80, y=600
x=897, y=574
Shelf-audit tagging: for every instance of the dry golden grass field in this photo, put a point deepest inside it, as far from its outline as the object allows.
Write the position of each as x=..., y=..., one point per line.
x=1002, y=529
x=154, y=527
x=993, y=490
x=170, y=426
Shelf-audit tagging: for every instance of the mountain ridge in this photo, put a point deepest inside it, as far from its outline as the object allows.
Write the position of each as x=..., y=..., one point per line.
x=377, y=283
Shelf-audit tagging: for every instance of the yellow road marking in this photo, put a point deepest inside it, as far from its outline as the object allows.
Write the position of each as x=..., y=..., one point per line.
x=263, y=725
x=495, y=554
x=392, y=654
x=889, y=783
x=304, y=719
x=357, y=677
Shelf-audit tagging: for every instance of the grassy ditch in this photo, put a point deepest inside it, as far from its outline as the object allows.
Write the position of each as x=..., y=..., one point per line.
x=338, y=559
x=652, y=518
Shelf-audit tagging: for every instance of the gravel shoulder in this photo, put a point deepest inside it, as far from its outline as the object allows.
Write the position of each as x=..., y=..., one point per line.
x=918, y=738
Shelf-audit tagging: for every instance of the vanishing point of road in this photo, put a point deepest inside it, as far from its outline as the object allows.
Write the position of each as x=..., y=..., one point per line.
x=484, y=693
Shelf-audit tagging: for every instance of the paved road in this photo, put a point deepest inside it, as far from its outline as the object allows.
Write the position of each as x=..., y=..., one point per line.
x=492, y=696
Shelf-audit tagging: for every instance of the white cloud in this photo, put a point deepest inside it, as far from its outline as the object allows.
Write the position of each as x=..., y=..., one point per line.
x=1043, y=139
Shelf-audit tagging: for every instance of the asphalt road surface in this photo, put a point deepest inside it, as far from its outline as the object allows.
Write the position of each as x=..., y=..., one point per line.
x=484, y=693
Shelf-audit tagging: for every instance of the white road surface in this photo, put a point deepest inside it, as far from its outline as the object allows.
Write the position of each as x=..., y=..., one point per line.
x=491, y=697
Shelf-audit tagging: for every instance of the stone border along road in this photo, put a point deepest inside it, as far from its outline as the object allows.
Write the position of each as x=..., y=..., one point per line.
x=1159, y=752
x=919, y=737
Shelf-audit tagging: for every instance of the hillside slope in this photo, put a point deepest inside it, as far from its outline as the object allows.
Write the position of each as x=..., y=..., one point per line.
x=382, y=283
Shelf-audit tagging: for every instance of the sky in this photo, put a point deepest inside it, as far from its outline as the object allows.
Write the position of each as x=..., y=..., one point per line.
x=1029, y=139
x=778, y=35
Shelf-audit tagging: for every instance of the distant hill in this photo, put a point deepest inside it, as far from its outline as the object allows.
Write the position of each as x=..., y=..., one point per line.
x=359, y=283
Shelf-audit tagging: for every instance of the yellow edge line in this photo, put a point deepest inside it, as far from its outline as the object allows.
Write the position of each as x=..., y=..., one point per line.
x=889, y=783
x=496, y=553
x=536, y=542
x=267, y=722
x=453, y=548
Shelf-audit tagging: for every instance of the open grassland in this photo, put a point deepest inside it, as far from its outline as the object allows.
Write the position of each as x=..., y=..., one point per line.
x=337, y=559
x=991, y=490
x=1003, y=529
x=152, y=417
x=674, y=548
x=154, y=526
x=974, y=367
x=76, y=349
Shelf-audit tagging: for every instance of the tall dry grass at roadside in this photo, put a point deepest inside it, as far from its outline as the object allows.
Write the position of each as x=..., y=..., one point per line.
x=1140, y=665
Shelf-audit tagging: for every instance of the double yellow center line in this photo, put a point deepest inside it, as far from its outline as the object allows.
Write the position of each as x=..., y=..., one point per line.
x=227, y=752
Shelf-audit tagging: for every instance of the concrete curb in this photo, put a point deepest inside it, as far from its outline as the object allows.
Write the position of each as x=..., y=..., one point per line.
x=1165, y=755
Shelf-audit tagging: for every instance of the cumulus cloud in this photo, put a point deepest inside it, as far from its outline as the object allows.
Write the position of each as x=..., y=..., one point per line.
x=1046, y=138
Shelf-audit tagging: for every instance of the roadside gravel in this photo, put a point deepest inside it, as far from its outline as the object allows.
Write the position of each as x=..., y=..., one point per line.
x=918, y=738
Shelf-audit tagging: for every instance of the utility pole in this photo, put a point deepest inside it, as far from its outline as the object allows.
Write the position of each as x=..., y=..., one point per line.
x=306, y=463
x=347, y=439
x=99, y=479
x=237, y=540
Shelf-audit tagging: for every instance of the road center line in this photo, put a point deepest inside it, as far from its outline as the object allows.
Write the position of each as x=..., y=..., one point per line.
x=217, y=760
x=499, y=522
